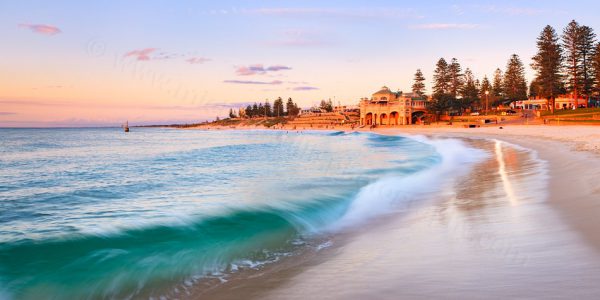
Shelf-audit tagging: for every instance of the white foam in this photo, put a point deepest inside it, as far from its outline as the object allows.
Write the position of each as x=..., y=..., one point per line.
x=324, y=245
x=400, y=192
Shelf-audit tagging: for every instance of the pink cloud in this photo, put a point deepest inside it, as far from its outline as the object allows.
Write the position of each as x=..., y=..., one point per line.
x=197, y=60
x=250, y=70
x=141, y=55
x=259, y=69
x=42, y=29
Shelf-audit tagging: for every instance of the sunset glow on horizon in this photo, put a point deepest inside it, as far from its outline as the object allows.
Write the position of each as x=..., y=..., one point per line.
x=159, y=62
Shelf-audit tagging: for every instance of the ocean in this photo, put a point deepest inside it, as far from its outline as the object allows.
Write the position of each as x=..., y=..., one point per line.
x=98, y=213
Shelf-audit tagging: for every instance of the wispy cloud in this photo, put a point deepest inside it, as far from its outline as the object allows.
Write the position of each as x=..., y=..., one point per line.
x=197, y=60
x=367, y=12
x=445, y=26
x=250, y=70
x=7, y=113
x=142, y=54
x=274, y=82
x=206, y=105
x=147, y=54
x=167, y=55
x=42, y=28
x=259, y=69
x=34, y=102
x=510, y=10
x=277, y=68
x=305, y=88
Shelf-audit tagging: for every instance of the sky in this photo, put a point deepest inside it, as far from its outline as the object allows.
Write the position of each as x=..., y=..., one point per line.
x=100, y=63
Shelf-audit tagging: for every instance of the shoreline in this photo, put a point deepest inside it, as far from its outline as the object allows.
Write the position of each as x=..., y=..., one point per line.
x=581, y=137
x=572, y=167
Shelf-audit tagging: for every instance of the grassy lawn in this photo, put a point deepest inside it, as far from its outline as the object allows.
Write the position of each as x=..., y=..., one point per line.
x=586, y=122
x=582, y=116
x=273, y=121
x=572, y=112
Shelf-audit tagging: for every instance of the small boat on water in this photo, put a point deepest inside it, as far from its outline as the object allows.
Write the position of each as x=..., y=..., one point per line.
x=126, y=126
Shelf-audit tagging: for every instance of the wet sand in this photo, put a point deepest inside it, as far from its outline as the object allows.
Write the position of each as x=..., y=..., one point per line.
x=514, y=227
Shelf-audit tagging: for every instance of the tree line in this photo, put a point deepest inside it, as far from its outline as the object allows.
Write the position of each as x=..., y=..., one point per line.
x=278, y=109
x=458, y=91
x=569, y=64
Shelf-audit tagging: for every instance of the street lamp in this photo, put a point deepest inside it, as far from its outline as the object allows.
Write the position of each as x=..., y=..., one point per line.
x=487, y=94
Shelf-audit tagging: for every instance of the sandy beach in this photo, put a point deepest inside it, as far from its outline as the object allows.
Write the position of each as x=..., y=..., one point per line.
x=523, y=224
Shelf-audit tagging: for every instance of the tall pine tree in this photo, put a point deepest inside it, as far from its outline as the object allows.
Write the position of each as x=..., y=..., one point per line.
x=418, y=87
x=486, y=86
x=514, y=83
x=547, y=64
x=267, y=106
x=586, y=48
x=249, y=113
x=441, y=79
x=469, y=92
x=596, y=69
x=456, y=77
x=261, y=110
x=441, y=98
x=571, y=40
x=291, y=107
x=278, y=107
x=497, y=84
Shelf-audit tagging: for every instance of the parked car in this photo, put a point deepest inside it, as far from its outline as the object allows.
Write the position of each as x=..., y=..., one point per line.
x=511, y=112
x=475, y=113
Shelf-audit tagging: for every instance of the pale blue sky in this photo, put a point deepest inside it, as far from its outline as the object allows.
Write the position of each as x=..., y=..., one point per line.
x=77, y=71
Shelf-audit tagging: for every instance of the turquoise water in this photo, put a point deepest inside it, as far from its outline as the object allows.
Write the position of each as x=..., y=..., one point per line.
x=97, y=213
